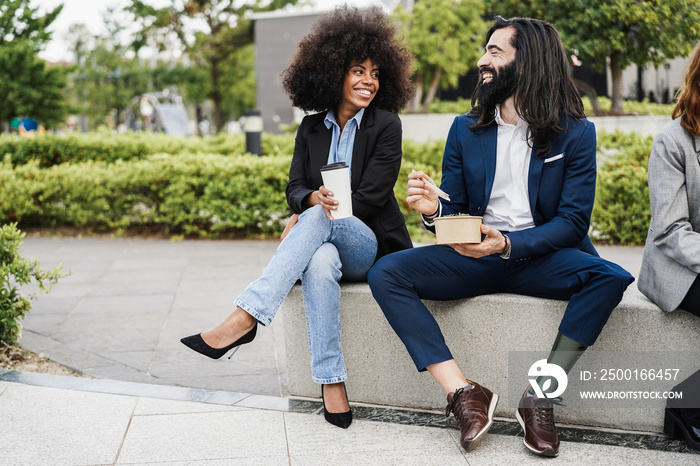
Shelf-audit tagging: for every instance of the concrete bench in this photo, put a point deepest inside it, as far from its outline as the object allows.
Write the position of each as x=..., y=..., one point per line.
x=381, y=372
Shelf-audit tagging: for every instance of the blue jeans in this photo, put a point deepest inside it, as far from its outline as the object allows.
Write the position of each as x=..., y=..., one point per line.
x=318, y=251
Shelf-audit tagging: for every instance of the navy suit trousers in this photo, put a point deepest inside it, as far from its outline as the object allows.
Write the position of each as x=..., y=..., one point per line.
x=592, y=285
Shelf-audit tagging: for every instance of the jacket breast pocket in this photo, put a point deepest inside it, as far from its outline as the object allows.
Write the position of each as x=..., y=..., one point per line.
x=554, y=158
x=553, y=164
x=393, y=222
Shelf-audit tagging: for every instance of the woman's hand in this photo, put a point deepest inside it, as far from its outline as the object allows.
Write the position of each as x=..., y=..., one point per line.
x=290, y=224
x=321, y=197
x=421, y=198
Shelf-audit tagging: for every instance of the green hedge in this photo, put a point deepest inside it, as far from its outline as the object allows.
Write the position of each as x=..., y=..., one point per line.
x=189, y=194
x=183, y=191
x=51, y=150
x=622, y=212
x=203, y=195
x=644, y=107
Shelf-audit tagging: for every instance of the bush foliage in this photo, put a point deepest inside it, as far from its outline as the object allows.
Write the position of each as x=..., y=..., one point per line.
x=52, y=150
x=644, y=107
x=16, y=271
x=622, y=211
x=209, y=187
x=185, y=194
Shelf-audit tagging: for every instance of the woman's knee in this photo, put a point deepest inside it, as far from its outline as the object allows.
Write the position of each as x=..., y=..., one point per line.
x=314, y=214
x=325, y=262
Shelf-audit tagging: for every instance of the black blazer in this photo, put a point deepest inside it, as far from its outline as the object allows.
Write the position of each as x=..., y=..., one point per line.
x=376, y=160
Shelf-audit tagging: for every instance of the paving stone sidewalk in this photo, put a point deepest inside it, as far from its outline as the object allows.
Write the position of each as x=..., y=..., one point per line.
x=119, y=317
x=122, y=311
x=55, y=421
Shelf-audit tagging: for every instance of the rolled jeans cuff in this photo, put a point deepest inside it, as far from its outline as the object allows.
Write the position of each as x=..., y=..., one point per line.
x=328, y=380
x=259, y=317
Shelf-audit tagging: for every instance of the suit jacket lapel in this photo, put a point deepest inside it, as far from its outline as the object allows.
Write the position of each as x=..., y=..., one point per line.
x=319, y=146
x=488, y=141
x=533, y=181
x=358, y=150
x=696, y=140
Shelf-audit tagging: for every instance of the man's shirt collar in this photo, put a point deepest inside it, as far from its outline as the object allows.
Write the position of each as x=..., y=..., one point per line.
x=500, y=122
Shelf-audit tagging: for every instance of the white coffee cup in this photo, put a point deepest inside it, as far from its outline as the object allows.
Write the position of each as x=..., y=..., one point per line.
x=336, y=178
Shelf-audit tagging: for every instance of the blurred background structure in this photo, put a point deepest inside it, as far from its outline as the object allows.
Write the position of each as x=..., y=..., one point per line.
x=159, y=112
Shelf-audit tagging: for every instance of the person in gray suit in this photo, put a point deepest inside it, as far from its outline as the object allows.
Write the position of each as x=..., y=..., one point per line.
x=670, y=272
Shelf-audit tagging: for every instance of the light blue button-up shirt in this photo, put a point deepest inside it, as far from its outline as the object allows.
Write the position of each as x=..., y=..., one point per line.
x=343, y=143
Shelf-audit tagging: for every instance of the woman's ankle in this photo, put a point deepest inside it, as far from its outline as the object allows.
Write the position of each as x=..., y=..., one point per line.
x=335, y=397
x=240, y=320
x=237, y=324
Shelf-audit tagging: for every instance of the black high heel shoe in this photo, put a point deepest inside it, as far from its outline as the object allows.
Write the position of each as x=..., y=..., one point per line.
x=341, y=420
x=675, y=426
x=196, y=343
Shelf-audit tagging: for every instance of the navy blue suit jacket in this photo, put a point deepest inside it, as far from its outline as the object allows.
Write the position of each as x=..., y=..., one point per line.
x=561, y=186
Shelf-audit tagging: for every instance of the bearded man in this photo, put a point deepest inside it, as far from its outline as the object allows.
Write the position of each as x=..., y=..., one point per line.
x=524, y=159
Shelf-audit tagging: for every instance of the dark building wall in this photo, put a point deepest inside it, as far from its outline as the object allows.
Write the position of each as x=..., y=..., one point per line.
x=276, y=39
x=596, y=79
x=465, y=88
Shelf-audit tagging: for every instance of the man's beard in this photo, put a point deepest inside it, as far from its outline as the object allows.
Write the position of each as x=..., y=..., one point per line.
x=500, y=88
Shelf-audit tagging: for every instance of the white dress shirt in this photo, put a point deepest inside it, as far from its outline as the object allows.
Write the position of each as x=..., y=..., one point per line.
x=509, y=205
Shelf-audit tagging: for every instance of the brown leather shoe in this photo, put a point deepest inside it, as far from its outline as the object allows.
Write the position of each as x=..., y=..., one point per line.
x=536, y=417
x=473, y=407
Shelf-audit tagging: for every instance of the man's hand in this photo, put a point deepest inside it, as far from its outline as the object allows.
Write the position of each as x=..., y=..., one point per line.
x=419, y=197
x=494, y=243
x=321, y=197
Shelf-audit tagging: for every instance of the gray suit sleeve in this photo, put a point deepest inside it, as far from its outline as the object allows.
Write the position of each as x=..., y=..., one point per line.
x=671, y=230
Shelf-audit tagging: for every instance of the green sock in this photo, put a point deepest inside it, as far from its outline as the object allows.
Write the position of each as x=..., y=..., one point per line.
x=565, y=352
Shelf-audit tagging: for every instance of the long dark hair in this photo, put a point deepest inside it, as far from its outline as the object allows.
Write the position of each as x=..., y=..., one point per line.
x=545, y=94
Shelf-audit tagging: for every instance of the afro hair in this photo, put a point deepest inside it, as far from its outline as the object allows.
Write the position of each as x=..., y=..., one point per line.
x=314, y=80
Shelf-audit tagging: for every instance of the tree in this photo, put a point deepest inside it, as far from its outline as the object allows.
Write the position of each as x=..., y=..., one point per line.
x=108, y=76
x=18, y=21
x=80, y=40
x=621, y=32
x=227, y=29
x=27, y=86
x=446, y=36
x=110, y=82
x=239, y=82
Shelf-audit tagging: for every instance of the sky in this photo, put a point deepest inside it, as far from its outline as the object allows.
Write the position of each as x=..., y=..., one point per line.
x=87, y=12
x=90, y=13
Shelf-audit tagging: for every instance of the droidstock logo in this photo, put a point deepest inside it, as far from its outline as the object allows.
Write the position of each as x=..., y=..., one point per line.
x=542, y=368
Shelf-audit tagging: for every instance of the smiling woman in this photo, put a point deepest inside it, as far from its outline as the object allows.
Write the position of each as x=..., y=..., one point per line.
x=314, y=81
x=360, y=86
x=353, y=70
